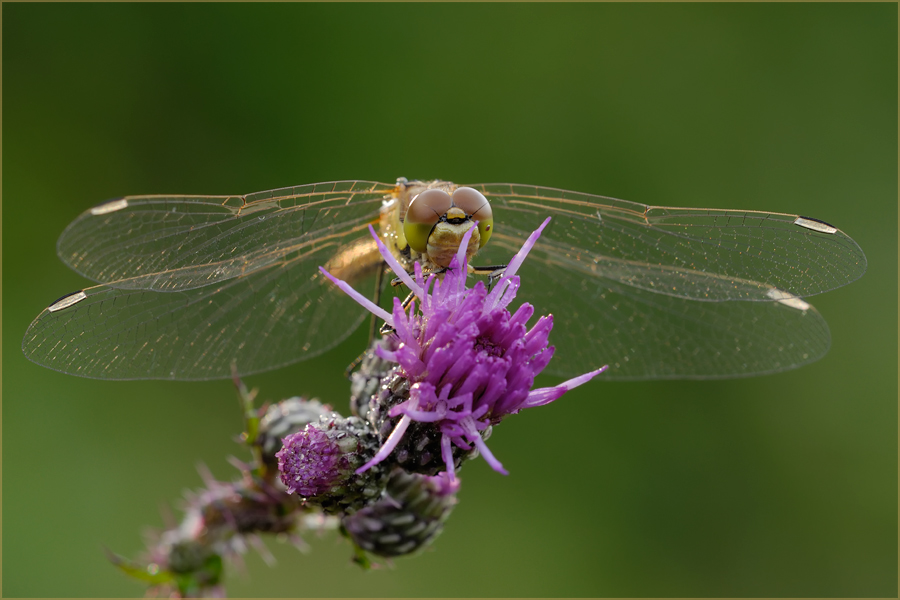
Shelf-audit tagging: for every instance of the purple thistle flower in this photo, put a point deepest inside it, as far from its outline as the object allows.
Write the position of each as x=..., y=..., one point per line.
x=468, y=361
x=311, y=462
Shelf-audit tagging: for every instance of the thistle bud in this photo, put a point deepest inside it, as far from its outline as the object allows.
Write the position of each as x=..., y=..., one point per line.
x=366, y=383
x=408, y=517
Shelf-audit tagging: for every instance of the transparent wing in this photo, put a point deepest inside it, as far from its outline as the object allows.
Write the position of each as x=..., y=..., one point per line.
x=652, y=291
x=196, y=283
x=271, y=317
x=170, y=243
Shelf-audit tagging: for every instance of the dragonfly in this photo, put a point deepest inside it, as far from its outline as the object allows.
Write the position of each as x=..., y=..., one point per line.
x=190, y=287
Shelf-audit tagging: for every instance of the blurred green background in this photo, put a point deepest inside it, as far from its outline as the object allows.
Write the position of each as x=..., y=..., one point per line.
x=784, y=485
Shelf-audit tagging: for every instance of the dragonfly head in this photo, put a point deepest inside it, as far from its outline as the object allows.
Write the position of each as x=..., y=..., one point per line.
x=436, y=222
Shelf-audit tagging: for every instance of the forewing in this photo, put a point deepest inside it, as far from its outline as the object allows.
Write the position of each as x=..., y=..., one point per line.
x=703, y=254
x=170, y=243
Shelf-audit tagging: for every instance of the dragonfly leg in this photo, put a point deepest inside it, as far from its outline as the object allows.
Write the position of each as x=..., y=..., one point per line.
x=379, y=285
x=492, y=272
x=387, y=329
x=373, y=321
x=348, y=372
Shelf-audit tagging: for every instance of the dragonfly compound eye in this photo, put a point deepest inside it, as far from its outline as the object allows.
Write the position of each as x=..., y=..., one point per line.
x=424, y=212
x=477, y=207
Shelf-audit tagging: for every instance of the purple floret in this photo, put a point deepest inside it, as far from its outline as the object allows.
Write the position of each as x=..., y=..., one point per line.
x=469, y=362
x=310, y=463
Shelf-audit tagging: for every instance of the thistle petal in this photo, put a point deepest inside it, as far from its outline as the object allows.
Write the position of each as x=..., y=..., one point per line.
x=466, y=344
